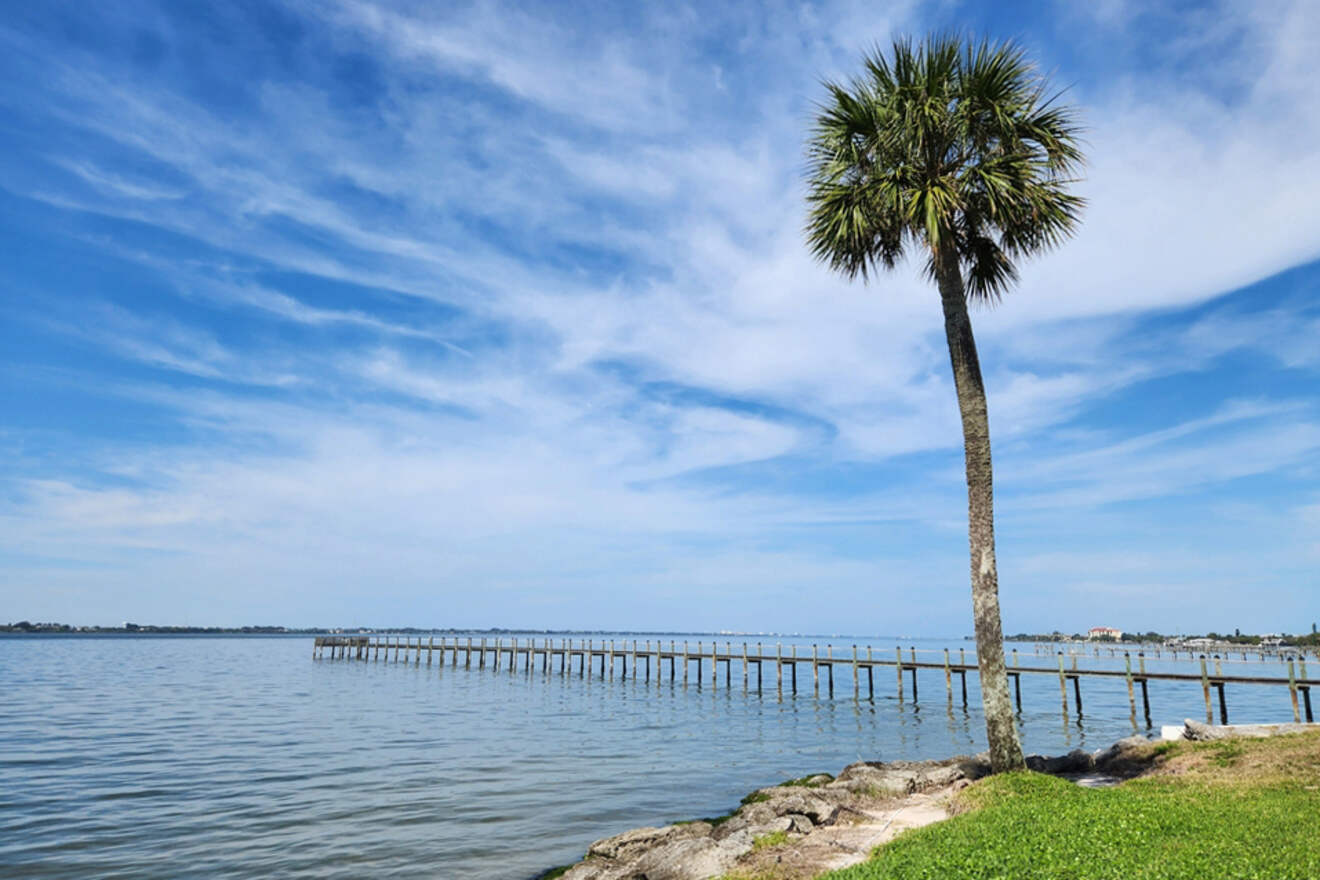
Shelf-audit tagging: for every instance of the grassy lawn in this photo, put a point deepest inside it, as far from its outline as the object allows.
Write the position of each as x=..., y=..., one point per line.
x=1239, y=809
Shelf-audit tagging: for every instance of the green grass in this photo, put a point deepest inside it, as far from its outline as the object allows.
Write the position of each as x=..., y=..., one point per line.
x=1165, y=747
x=1235, y=810
x=1226, y=752
x=774, y=838
x=803, y=781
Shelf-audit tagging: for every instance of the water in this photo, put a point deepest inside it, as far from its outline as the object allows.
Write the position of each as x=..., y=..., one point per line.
x=243, y=757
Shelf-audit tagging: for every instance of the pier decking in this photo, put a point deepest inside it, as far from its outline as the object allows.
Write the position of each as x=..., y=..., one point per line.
x=785, y=661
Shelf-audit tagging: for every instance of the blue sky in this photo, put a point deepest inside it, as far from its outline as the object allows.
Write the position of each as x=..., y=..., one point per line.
x=336, y=311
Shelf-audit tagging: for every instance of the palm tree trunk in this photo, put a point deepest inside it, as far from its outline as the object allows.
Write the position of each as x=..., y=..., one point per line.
x=1005, y=750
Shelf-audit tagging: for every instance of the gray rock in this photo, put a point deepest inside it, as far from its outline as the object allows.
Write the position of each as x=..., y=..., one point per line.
x=819, y=810
x=1196, y=731
x=779, y=823
x=872, y=779
x=630, y=844
x=675, y=852
x=859, y=769
x=698, y=850
x=1076, y=761
x=593, y=870
x=902, y=777
x=750, y=816
x=730, y=827
x=757, y=813
x=798, y=824
x=737, y=844
x=938, y=777
x=1119, y=751
x=739, y=824
x=833, y=794
x=692, y=859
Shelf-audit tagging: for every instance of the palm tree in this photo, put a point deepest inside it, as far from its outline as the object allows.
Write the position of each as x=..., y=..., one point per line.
x=959, y=152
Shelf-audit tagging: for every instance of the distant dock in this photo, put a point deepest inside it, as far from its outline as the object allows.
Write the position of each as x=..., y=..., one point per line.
x=647, y=660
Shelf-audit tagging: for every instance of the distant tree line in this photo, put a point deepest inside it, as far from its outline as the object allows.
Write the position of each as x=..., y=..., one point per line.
x=25, y=626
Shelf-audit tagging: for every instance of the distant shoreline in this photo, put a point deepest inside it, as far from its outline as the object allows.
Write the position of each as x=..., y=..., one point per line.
x=1271, y=642
x=154, y=629
x=130, y=634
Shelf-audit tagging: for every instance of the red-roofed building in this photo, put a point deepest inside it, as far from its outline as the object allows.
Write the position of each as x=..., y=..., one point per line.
x=1104, y=633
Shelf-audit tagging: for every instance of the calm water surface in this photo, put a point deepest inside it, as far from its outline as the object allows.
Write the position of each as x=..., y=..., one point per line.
x=243, y=757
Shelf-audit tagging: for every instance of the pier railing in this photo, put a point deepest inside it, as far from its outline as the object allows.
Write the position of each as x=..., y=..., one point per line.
x=1227, y=653
x=786, y=660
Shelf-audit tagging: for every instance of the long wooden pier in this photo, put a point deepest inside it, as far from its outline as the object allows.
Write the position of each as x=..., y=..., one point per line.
x=785, y=661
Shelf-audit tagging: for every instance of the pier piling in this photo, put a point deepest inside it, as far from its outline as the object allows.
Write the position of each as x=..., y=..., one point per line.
x=898, y=667
x=948, y=676
x=1063, y=685
x=1292, y=692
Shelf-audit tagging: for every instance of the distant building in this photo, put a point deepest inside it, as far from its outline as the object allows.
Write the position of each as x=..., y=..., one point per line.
x=1104, y=633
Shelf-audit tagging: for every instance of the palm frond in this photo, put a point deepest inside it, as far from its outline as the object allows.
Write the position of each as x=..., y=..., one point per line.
x=946, y=138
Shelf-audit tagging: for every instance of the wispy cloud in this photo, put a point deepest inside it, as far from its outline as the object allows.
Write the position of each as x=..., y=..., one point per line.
x=115, y=186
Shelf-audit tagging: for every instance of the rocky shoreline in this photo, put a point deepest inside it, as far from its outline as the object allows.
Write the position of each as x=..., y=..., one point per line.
x=806, y=826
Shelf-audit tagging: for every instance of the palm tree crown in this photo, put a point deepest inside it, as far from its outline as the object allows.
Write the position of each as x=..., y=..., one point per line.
x=956, y=149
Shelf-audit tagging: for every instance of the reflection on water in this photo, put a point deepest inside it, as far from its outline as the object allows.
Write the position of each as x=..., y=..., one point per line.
x=242, y=757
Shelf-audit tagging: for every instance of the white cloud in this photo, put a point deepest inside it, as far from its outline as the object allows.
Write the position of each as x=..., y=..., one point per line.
x=116, y=186
x=1241, y=440
x=1197, y=186
x=532, y=57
